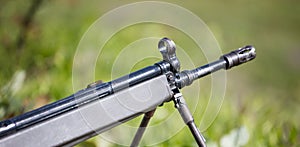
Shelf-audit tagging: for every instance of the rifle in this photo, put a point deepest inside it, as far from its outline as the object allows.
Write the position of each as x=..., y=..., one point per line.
x=64, y=122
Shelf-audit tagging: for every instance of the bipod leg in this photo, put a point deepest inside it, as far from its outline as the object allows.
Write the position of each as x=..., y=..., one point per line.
x=188, y=118
x=139, y=134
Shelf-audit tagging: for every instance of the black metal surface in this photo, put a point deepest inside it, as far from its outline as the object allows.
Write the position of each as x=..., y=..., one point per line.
x=141, y=130
x=227, y=61
x=136, y=77
x=196, y=133
x=239, y=56
x=187, y=77
x=209, y=68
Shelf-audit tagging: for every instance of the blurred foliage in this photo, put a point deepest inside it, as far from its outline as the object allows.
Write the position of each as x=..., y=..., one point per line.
x=262, y=96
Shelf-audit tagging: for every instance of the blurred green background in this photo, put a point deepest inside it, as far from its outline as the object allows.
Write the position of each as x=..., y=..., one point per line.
x=38, y=40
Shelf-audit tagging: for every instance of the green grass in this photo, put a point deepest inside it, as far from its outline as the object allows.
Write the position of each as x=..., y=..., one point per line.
x=262, y=96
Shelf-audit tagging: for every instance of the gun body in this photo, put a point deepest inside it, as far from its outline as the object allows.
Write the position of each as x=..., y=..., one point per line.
x=91, y=119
